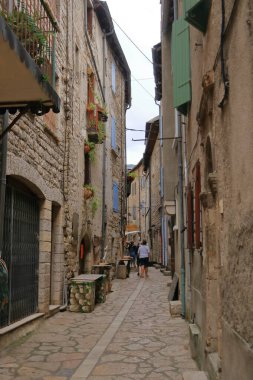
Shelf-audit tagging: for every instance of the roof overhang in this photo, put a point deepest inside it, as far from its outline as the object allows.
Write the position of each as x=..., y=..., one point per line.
x=152, y=130
x=106, y=23
x=21, y=81
x=157, y=68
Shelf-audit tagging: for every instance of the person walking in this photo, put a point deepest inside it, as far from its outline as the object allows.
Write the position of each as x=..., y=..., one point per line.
x=143, y=253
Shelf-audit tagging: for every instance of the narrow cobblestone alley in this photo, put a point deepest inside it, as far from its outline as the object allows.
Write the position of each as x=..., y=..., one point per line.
x=130, y=336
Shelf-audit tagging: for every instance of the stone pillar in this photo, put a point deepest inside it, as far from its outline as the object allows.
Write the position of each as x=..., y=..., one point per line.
x=57, y=261
x=45, y=256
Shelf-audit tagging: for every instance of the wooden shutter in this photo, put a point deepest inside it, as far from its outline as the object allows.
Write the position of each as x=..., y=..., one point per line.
x=190, y=227
x=197, y=206
x=181, y=68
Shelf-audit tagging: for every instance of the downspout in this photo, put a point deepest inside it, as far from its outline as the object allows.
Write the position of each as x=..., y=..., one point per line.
x=181, y=192
x=104, y=165
x=181, y=210
x=3, y=178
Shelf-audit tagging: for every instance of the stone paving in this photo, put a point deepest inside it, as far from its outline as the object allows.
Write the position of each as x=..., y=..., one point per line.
x=130, y=336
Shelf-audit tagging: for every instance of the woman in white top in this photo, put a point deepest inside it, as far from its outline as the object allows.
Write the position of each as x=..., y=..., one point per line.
x=143, y=253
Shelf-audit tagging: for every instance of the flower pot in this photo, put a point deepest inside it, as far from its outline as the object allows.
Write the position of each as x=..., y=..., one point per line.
x=86, y=149
x=87, y=193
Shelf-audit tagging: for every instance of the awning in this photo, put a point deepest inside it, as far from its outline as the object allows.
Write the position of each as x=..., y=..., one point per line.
x=132, y=233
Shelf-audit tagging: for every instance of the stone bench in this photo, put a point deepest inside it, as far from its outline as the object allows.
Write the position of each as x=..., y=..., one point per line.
x=85, y=291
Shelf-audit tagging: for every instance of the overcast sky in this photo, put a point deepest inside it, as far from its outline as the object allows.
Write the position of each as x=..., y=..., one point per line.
x=140, y=20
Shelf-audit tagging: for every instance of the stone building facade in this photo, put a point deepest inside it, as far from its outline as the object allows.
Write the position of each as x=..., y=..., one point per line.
x=136, y=204
x=47, y=165
x=151, y=166
x=212, y=98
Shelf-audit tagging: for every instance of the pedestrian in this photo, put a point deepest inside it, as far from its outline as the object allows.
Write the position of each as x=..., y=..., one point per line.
x=143, y=253
x=132, y=254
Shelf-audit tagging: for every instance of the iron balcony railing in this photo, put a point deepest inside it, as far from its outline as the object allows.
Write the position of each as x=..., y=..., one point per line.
x=33, y=24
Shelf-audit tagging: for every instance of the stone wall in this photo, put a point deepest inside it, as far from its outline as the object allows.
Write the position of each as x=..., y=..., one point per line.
x=221, y=275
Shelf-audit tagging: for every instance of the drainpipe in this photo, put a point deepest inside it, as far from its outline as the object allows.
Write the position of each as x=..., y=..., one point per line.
x=103, y=232
x=3, y=178
x=180, y=190
x=181, y=209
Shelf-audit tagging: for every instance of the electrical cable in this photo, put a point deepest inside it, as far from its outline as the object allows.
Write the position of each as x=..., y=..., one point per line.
x=132, y=42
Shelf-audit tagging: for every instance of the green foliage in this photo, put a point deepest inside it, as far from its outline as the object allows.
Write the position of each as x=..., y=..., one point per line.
x=101, y=131
x=94, y=206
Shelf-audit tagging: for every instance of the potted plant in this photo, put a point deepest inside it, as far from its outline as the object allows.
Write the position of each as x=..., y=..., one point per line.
x=89, y=148
x=88, y=191
x=131, y=176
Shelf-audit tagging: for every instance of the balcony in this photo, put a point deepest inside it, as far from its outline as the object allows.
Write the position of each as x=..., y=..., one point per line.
x=27, y=51
x=96, y=118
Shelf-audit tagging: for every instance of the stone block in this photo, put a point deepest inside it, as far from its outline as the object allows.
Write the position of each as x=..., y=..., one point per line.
x=121, y=272
x=194, y=375
x=175, y=308
x=167, y=273
x=45, y=246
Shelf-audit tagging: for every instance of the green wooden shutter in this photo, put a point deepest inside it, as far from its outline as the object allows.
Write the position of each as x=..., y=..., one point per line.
x=181, y=65
x=196, y=12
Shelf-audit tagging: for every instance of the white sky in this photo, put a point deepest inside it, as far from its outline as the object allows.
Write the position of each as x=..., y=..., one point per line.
x=140, y=20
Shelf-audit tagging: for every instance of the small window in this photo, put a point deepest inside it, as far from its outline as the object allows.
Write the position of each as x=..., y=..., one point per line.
x=87, y=178
x=134, y=212
x=113, y=77
x=88, y=17
x=114, y=145
x=115, y=197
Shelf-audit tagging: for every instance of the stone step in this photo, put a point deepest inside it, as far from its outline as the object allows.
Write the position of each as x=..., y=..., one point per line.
x=194, y=375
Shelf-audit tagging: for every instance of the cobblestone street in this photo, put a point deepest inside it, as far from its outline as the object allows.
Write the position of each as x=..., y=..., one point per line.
x=130, y=336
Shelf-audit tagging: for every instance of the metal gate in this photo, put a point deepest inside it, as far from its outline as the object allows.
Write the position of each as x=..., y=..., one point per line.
x=21, y=254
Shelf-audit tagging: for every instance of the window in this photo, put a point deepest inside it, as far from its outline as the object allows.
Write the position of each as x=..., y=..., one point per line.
x=87, y=179
x=113, y=140
x=190, y=226
x=115, y=197
x=134, y=188
x=134, y=212
x=197, y=205
x=88, y=17
x=181, y=69
x=113, y=77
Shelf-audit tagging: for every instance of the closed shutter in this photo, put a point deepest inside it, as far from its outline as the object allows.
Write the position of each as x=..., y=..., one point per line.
x=190, y=229
x=181, y=65
x=115, y=197
x=197, y=206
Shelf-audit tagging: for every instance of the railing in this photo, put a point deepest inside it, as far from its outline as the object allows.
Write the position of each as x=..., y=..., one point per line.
x=35, y=28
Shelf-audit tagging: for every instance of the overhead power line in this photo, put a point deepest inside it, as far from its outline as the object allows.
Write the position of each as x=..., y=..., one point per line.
x=133, y=42
x=143, y=87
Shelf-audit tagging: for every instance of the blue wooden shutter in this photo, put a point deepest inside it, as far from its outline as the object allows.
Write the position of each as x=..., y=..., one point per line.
x=181, y=65
x=115, y=197
x=113, y=134
x=113, y=77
